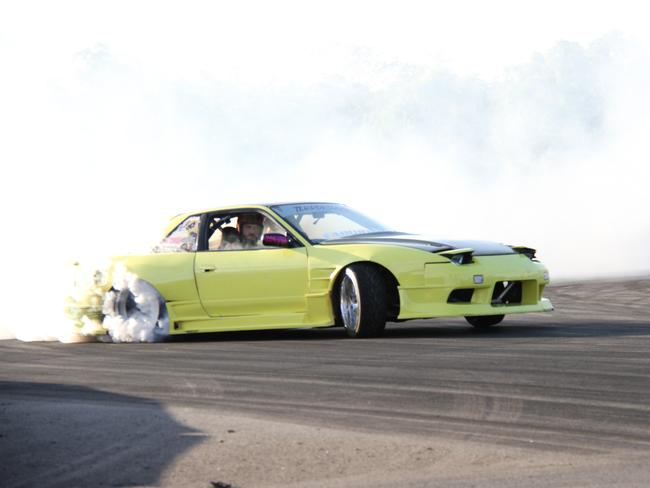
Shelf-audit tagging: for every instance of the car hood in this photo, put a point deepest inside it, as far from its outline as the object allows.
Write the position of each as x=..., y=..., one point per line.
x=425, y=243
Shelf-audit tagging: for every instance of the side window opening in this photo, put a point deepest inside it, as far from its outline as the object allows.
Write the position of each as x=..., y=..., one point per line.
x=182, y=239
x=240, y=231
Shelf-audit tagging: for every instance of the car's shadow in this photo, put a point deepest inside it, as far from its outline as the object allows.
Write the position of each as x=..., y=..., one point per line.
x=439, y=329
x=68, y=435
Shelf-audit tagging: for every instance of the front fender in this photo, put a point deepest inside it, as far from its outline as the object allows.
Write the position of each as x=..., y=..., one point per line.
x=405, y=264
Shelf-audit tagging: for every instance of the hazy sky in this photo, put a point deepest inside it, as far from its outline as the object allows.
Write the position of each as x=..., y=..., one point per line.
x=522, y=122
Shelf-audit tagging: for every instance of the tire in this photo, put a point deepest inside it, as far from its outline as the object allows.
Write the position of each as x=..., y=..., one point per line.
x=483, y=322
x=362, y=302
x=135, y=312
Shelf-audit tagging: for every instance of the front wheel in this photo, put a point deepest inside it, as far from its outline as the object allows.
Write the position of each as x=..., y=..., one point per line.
x=362, y=301
x=484, y=321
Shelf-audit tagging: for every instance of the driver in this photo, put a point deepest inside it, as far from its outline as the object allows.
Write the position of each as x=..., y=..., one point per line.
x=250, y=226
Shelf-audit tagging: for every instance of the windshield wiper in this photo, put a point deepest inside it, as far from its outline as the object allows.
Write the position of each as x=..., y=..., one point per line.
x=378, y=233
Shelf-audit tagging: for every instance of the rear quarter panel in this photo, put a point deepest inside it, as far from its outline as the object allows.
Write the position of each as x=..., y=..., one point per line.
x=172, y=274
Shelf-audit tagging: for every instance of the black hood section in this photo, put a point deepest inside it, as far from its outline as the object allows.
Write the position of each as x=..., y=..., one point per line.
x=425, y=243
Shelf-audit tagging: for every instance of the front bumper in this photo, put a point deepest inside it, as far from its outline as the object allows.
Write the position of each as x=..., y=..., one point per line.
x=432, y=299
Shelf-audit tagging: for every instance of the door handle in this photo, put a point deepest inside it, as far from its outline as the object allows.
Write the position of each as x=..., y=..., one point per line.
x=207, y=268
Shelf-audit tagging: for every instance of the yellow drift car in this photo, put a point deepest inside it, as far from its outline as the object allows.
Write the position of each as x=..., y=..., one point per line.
x=300, y=265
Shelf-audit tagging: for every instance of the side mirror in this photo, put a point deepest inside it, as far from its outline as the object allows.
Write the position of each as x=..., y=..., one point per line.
x=275, y=240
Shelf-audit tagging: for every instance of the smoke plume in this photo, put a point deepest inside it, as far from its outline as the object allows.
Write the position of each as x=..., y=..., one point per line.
x=100, y=148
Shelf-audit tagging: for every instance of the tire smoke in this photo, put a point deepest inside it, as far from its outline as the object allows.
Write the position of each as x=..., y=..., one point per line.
x=549, y=153
x=133, y=310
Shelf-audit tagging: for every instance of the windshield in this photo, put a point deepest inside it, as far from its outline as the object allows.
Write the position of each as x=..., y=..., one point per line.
x=325, y=221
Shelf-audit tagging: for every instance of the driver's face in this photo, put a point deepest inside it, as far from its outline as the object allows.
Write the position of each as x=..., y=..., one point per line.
x=251, y=232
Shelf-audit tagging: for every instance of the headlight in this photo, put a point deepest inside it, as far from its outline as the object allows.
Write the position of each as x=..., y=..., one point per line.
x=529, y=252
x=459, y=256
x=546, y=276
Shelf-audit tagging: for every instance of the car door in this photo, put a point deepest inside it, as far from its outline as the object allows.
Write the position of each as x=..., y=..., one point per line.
x=257, y=283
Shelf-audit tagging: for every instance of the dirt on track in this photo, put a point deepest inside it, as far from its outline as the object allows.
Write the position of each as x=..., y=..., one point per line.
x=560, y=399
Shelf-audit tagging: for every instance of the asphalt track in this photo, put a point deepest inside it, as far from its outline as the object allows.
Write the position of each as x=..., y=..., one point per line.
x=559, y=399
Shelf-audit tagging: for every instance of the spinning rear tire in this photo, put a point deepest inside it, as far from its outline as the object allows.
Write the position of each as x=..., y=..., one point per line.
x=135, y=312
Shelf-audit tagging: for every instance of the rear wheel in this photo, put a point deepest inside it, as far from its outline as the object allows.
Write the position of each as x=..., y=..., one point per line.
x=362, y=300
x=135, y=312
x=484, y=321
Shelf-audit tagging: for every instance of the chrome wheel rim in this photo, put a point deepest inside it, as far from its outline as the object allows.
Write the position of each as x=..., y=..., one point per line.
x=126, y=305
x=350, y=302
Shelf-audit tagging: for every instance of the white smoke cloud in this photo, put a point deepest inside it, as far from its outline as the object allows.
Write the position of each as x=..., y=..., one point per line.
x=107, y=132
